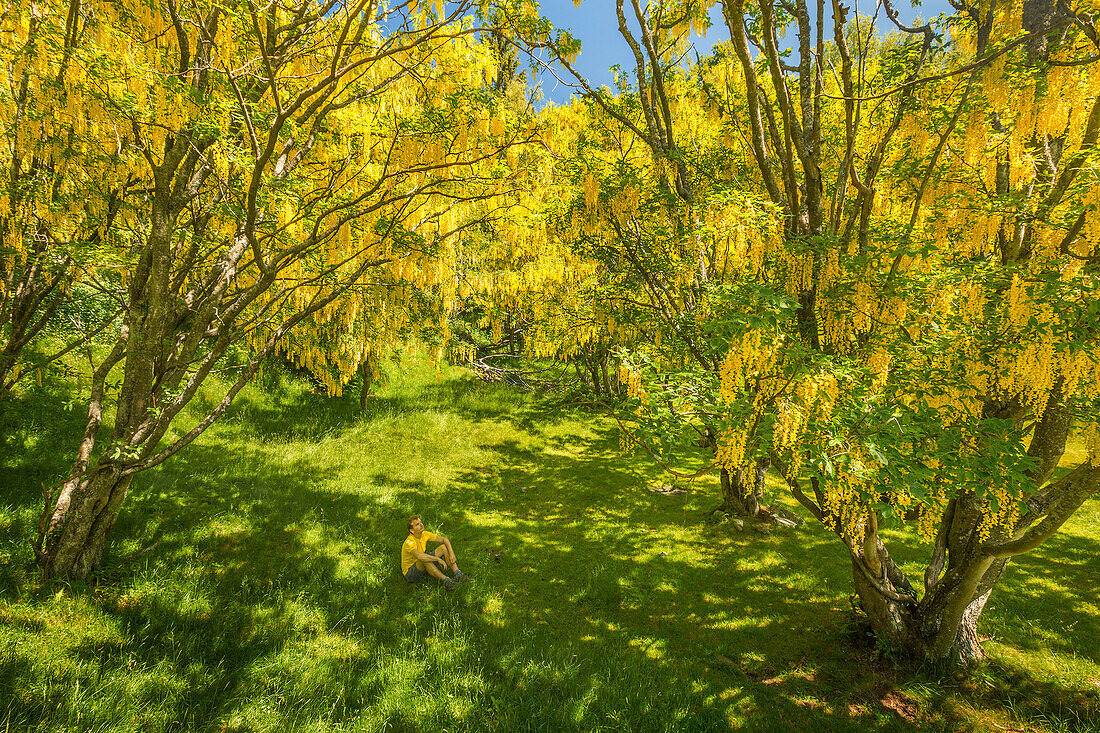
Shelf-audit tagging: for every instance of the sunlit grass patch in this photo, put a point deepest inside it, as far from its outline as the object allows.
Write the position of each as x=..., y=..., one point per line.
x=253, y=586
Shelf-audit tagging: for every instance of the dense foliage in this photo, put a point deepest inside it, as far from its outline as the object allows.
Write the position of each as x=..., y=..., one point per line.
x=869, y=262
x=239, y=180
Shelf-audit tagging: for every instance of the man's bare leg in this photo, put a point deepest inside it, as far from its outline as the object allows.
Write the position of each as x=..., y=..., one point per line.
x=448, y=555
x=433, y=570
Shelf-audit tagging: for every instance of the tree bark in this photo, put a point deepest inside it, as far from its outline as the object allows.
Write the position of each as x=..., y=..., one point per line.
x=743, y=491
x=929, y=631
x=606, y=382
x=593, y=371
x=364, y=390
x=889, y=619
x=73, y=544
x=943, y=625
x=966, y=651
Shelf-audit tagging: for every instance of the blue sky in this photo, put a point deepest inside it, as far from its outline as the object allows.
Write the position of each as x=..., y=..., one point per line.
x=595, y=24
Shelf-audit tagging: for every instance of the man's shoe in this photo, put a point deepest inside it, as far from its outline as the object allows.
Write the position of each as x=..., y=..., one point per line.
x=461, y=576
x=450, y=584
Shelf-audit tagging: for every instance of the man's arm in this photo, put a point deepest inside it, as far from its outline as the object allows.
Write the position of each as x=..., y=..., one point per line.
x=443, y=541
x=429, y=557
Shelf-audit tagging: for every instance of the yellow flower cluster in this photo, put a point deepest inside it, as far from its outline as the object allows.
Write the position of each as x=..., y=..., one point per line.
x=878, y=363
x=626, y=441
x=789, y=421
x=730, y=454
x=1080, y=371
x=751, y=354
x=731, y=378
x=742, y=238
x=1001, y=509
x=1031, y=374
x=1090, y=436
x=830, y=391
x=931, y=512
x=1017, y=304
x=591, y=188
x=844, y=503
x=624, y=204
x=632, y=380
x=797, y=271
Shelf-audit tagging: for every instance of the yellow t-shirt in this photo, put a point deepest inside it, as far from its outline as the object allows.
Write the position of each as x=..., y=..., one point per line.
x=413, y=546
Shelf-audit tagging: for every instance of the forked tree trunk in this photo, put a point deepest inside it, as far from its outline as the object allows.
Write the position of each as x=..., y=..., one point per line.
x=603, y=372
x=943, y=625
x=73, y=542
x=891, y=621
x=743, y=491
x=933, y=630
x=593, y=372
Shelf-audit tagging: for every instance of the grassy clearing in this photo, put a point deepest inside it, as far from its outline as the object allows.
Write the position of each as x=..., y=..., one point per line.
x=261, y=591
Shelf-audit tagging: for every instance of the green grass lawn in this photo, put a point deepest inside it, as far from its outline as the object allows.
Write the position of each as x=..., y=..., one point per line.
x=253, y=586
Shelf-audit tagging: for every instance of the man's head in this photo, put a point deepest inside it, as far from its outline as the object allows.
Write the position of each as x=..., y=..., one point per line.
x=415, y=525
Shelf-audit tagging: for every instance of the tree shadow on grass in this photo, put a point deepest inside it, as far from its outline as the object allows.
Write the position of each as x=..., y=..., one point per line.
x=266, y=600
x=304, y=415
x=661, y=617
x=247, y=602
x=778, y=585
x=477, y=401
x=292, y=415
x=38, y=431
x=1037, y=606
x=1006, y=686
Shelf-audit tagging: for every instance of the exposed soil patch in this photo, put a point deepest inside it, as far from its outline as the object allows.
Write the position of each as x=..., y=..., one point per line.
x=666, y=490
x=900, y=706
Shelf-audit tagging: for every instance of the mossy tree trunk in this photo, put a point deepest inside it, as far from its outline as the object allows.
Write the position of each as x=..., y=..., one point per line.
x=743, y=490
x=941, y=624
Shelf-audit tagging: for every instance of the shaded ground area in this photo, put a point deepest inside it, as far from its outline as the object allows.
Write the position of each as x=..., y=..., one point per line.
x=253, y=586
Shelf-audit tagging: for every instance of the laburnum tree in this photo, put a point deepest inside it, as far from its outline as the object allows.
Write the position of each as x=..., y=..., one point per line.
x=247, y=165
x=515, y=276
x=409, y=303
x=46, y=242
x=944, y=348
x=624, y=270
x=890, y=276
x=417, y=305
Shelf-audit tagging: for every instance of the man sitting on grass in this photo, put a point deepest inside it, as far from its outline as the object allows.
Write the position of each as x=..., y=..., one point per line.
x=416, y=563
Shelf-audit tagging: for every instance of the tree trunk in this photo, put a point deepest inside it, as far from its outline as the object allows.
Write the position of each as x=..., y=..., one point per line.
x=930, y=631
x=603, y=372
x=72, y=545
x=594, y=372
x=364, y=391
x=581, y=378
x=966, y=651
x=890, y=620
x=742, y=492
x=943, y=625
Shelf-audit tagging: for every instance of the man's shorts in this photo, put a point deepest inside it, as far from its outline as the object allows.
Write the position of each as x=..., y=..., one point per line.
x=414, y=574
